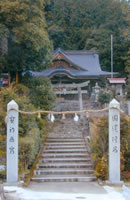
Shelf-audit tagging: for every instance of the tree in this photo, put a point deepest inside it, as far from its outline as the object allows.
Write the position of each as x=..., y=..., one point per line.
x=41, y=93
x=86, y=24
x=28, y=41
x=128, y=88
x=3, y=46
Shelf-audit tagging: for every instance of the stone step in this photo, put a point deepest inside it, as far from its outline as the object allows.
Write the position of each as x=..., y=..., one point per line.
x=48, y=160
x=64, y=178
x=62, y=171
x=65, y=143
x=66, y=147
x=66, y=150
x=65, y=155
x=65, y=140
x=67, y=126
x=64, y=159
x=64, y=165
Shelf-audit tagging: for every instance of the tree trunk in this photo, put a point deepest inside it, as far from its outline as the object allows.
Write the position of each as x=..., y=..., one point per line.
x=17, y=78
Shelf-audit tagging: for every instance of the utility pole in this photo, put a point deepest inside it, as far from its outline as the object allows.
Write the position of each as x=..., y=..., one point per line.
x=111, y=56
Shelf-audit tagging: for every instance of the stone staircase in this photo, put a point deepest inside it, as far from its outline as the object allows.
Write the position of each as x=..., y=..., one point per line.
x=65, y=159
x=63, y=105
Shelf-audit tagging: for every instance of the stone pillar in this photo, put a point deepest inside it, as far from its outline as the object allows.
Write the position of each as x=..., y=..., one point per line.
x=80, y=98
x=114, y=143
x=12, y=143
x=128, y=103
x=80, y=101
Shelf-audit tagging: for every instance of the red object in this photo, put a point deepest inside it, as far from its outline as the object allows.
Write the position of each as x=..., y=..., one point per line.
x=5, y=81
x=117, y=80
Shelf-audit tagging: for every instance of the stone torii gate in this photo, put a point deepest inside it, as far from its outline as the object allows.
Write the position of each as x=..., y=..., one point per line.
x=68, y=89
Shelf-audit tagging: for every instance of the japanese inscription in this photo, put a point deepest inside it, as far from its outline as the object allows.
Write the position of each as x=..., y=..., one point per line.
x=11, y=139
x=114, y=139
x=11, y=132
x=11, y=150
x=12, y=118
x=114, y=142
x=115, y=150
x=115, y=117
x=115, y=130
x=12, y=142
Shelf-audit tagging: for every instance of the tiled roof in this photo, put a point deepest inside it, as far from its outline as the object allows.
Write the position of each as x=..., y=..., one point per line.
x=86, y=61
x=71, y=73
x=74, y=52
x=4, y=74
x=117, y=80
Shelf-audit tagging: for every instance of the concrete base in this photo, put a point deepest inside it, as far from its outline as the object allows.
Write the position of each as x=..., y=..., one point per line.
x=114, y=182
x=20, y=184
x=69, y=187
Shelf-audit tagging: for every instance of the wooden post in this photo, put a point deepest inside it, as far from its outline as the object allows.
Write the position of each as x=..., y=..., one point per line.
x=12, y=143
x=114, y=142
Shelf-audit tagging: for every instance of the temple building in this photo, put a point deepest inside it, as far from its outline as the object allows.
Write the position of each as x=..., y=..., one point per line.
x=73, y=73
x=73, y=66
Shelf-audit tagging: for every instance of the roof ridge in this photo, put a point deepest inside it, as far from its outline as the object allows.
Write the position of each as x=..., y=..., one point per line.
x=80, y=52
x=75, y=52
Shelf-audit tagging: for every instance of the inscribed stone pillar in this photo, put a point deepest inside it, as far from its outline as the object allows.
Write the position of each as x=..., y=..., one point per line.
x=12, y=142
x=114, y=142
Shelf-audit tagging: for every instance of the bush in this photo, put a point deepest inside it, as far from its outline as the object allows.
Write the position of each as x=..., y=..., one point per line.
x=29, y=147
x=104, y=97
x=41, y=93
x=31, y=129
x=20, y=94
x=101, y=168
x=99, y=146
x=2, y=175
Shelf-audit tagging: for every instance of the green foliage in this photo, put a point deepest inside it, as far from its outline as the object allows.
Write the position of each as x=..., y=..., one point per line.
x=104, y=97
x=3, y=175
x=41, y=93
x=28, y=41
x=31, y=129
x=2, y=149
x=99, y=146
x=3, y=41
x=29, y=147
x=128, y=88
x=76, y=24
x=101, y=170
x=72, y=24
x=127, y=61
x=6, y=95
